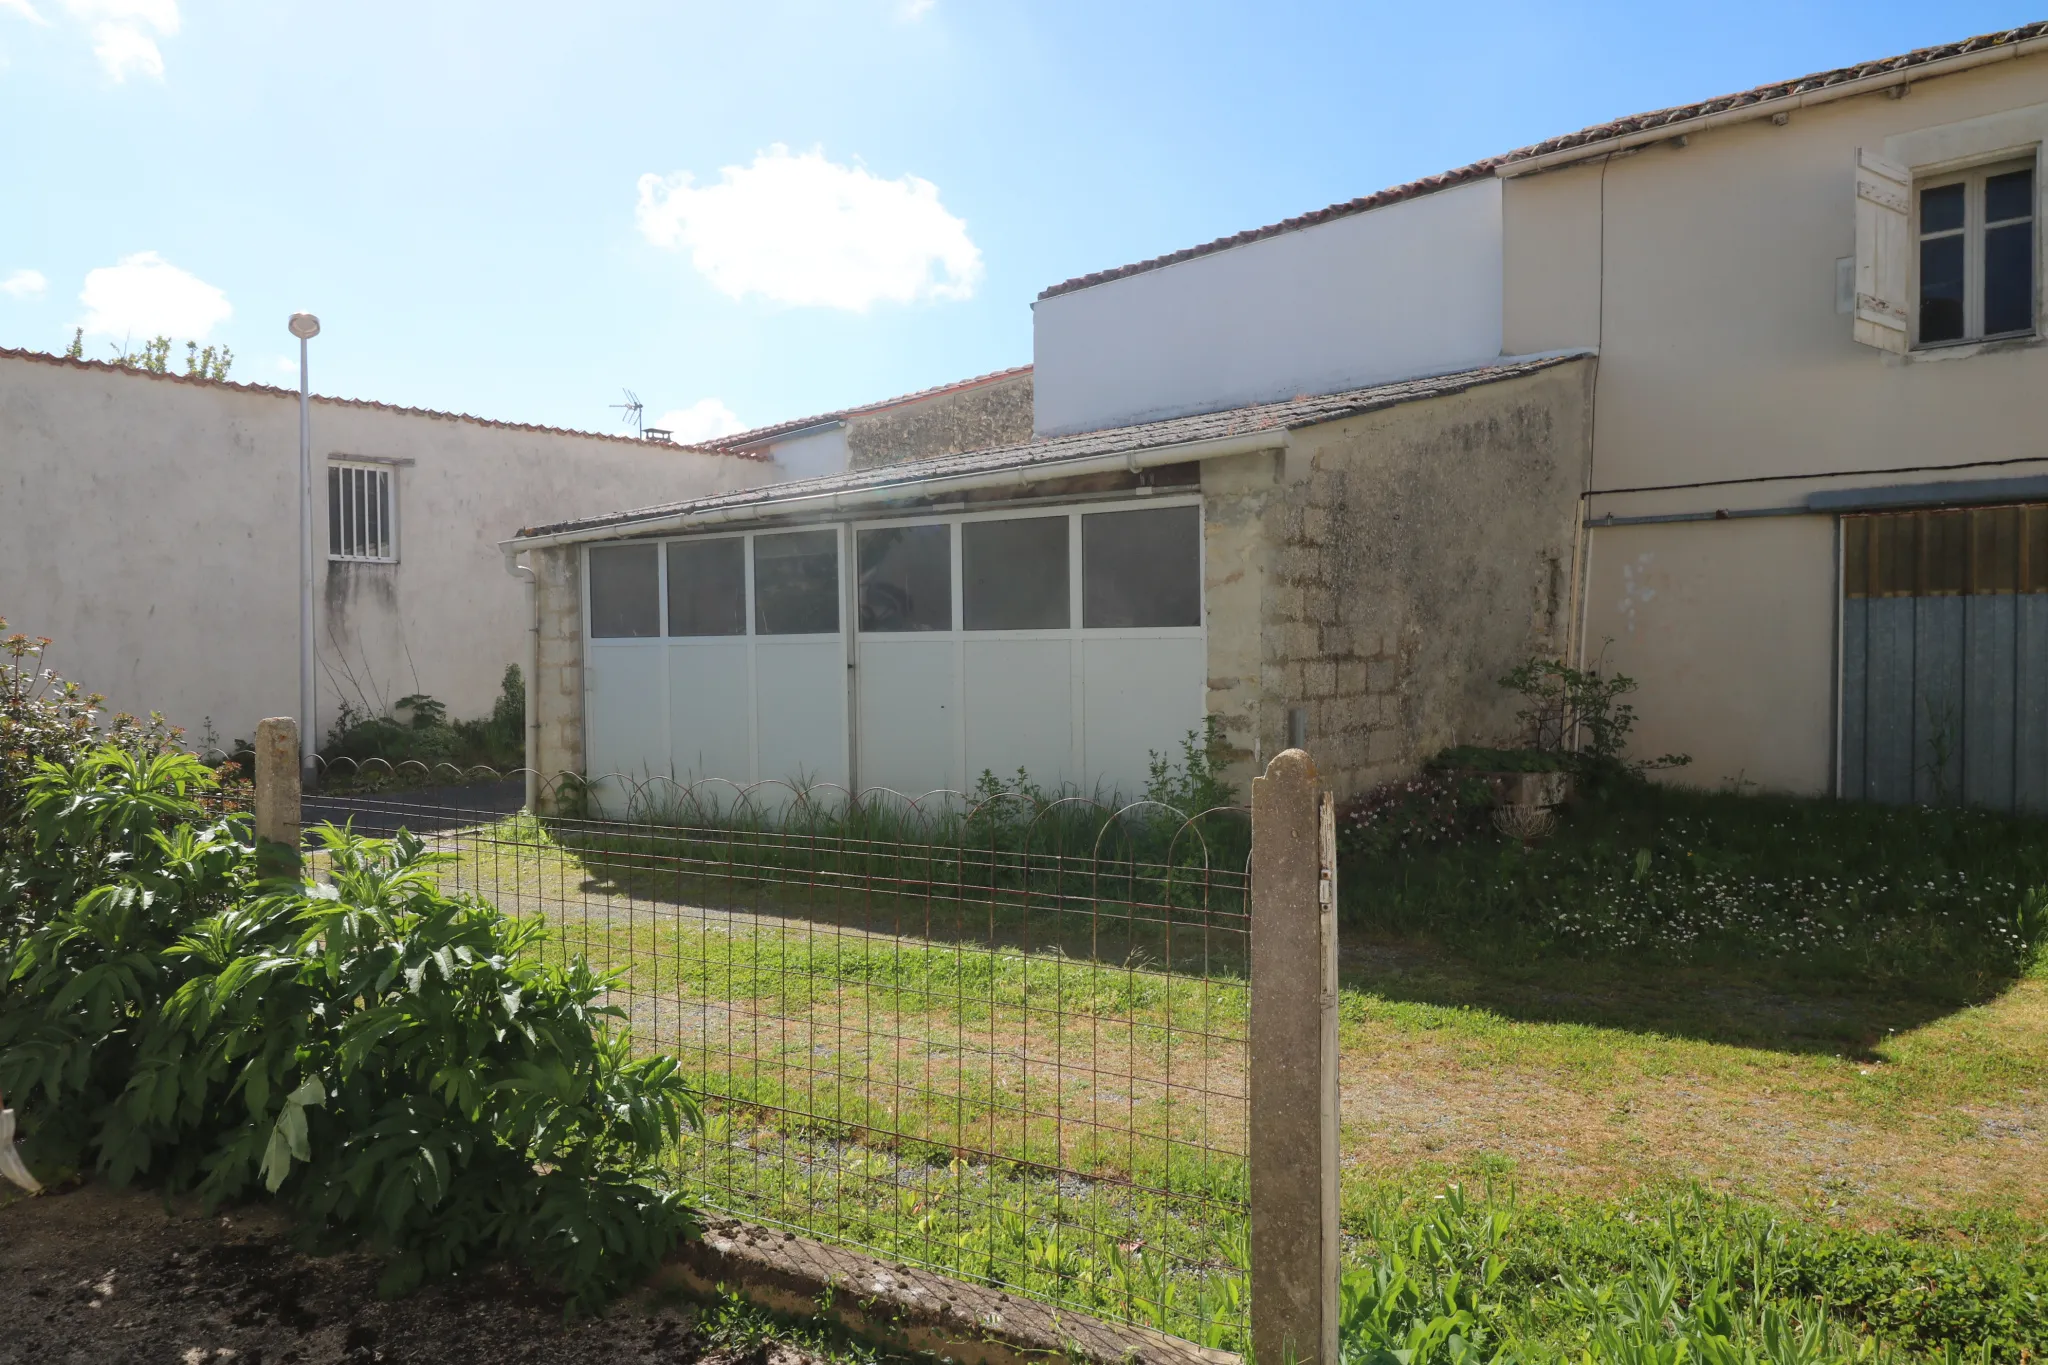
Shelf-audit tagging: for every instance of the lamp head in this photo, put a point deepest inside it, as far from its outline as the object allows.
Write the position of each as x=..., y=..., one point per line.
x=305, y=326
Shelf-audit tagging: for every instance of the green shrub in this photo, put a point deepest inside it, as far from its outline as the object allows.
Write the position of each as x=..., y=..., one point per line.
x=44, y=717
x=363, y=748
x=1578, y=714
x=1430, y=810
x=395, y=1062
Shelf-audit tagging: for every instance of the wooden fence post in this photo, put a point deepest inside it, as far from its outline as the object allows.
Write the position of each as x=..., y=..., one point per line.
x=277, y=797
x=1293, y=1143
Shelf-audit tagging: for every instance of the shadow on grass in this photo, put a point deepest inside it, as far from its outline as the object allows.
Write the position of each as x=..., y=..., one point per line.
x=1793, y=924
x=1717, y=1003
x=1186, y=920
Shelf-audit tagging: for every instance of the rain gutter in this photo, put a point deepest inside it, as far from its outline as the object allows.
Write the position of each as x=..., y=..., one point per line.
x=868, y=495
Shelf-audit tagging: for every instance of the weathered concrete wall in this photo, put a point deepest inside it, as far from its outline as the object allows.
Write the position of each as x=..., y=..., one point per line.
x=1730, y=381
x=149, y=525
x=992, y=414
x=558, y=686
x=1388, y=569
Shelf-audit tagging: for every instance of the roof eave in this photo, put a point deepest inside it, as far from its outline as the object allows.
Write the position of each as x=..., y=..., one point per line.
x=833, y=500
x=1512, y=166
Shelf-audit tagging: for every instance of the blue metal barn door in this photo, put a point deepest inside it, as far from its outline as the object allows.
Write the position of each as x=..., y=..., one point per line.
x=1945, y=657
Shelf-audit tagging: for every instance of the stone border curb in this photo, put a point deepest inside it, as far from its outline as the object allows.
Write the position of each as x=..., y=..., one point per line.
x=913, y=1311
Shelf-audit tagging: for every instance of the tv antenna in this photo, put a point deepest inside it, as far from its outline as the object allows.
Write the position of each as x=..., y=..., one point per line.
x=630, y=412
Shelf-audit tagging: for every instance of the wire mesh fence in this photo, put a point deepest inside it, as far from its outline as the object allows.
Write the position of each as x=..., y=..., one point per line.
x=1008, y=1041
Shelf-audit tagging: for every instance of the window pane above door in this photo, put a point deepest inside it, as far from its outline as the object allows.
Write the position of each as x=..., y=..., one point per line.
x=796, y=583
x=906, y=579
x=1015, y=573
x=1141, y=568
x=707, y=588
x=625, y=592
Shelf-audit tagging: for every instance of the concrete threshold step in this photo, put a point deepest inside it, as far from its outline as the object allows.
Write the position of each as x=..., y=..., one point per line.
x=909, y=1310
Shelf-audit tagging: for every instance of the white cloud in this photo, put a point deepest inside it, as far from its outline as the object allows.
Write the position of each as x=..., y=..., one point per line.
x=121, y=33
x=24, y=284
x=145, y=296
x=910, y=11
x=799, y=229
x=25, y=10
x=704, y=420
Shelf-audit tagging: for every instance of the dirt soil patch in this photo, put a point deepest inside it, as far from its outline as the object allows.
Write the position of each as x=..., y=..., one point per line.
x=112, y=1276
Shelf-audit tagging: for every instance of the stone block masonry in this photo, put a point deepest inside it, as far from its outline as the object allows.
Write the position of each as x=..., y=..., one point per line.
x=1387, y=569
x=558, y=681
x=997, y=413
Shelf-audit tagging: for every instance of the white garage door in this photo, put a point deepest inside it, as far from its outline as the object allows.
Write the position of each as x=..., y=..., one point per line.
x=711, y=661
x=1065, y=642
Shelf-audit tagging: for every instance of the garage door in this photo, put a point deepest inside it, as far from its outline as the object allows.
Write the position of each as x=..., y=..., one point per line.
x=1072, y=649
x=1065, y=642
x=1945, y=657
x=715, y=660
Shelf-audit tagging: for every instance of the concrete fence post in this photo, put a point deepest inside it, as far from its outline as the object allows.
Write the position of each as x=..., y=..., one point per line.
x=1293, y=1144
x=277, y=796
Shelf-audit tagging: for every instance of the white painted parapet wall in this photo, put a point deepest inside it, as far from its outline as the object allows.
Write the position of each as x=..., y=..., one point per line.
x=1409, y=289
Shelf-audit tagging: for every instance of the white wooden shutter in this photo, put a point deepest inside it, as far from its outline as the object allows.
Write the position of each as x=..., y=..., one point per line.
x=1884, y=199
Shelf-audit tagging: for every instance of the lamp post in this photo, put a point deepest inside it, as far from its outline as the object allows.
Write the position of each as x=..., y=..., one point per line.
x=305, y=327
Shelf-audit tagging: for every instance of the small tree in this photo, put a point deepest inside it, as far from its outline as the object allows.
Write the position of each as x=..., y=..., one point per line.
x=1578, y=714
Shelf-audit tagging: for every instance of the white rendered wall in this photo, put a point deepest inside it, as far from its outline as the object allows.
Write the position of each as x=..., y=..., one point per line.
x=811, y=456
x=149, y=526
x=1412, y=288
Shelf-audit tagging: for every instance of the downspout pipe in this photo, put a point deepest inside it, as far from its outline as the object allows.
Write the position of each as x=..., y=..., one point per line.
x=844, y=499
x=525, y=574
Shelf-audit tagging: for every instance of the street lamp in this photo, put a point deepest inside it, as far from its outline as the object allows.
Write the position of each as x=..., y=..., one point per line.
x=305, y=327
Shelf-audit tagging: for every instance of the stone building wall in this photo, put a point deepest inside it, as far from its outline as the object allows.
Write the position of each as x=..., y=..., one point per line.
x=997, y=413
x=1384, y=571
x=558, y=674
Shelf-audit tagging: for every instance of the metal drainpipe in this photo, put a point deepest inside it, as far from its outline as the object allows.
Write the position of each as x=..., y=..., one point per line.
x=525, y=574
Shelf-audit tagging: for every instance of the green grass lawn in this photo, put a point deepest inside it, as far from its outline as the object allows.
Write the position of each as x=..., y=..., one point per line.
x=1785, y=1057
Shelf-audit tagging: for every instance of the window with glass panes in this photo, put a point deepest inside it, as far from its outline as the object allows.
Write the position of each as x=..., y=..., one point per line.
x=1976, y=253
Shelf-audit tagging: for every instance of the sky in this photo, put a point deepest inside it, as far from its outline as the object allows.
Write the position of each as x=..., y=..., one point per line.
x=750, y=212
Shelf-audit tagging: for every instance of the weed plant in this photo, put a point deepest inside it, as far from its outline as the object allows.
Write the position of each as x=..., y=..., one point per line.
x=1678, y=1277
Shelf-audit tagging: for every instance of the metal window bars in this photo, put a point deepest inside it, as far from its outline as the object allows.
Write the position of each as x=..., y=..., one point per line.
x=360, y=524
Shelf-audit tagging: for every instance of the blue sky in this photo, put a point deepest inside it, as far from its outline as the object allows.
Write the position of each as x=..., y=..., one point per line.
x=754, y=211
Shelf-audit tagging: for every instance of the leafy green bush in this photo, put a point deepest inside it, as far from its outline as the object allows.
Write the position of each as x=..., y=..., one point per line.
x=396, y=1062
x=1579, y=715
x=44, y=717
x=1430, y=810
x=362, y=747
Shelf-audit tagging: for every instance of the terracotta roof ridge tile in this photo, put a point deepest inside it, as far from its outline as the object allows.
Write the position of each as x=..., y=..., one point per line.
x=273, y=390
x=1594, y=133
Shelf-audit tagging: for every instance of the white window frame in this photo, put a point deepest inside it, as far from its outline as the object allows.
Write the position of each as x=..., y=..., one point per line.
x=353, y=513
x=1973, y=230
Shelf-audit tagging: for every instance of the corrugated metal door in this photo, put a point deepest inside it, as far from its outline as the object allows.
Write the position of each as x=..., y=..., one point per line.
x=1945, y=657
